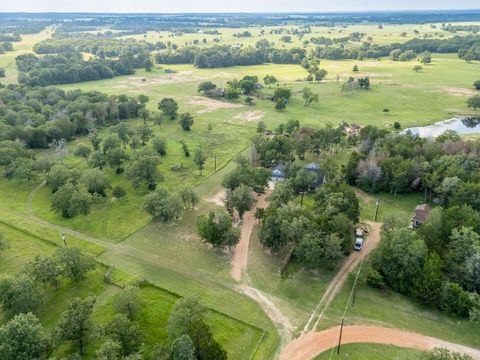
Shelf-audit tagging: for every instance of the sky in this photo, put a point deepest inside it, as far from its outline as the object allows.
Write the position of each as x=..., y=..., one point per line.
x=193, y=6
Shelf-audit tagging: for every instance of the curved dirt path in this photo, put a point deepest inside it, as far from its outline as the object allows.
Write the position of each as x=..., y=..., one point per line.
x=310, y=345
x=284, y=326
x=354, y=259
x=240, y=256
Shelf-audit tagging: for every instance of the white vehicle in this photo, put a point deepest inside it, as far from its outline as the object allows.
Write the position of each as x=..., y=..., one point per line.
x=359, y=232
x=358, y=244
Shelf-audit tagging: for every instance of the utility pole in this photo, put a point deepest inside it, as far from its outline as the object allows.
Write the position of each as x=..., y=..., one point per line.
x=376, y=209
x=340, y=338
x=64, y=239
x=354, y=293
x=215, y=162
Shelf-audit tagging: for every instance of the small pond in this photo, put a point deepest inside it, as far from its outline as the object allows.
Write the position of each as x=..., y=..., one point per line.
x=462, y=125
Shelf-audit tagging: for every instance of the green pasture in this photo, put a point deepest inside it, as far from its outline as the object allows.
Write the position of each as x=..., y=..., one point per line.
x=370, y=352
x=394, y=310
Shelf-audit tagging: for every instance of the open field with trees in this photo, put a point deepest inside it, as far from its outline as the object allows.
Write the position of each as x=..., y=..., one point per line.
x=134, y=156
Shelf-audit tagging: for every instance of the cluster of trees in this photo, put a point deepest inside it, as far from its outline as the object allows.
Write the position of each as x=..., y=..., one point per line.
x=403, y=163
x=25, y=292
x=40, y=116
x=223, y=56
x=438, y=265
x=22, y=336
x=5, y=46
x=72, y=68
x=318, y=236
x=99, y=45
x=292, y=140
x=467, y=48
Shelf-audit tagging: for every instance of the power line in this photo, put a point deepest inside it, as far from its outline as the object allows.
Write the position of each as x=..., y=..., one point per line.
x=339, y=338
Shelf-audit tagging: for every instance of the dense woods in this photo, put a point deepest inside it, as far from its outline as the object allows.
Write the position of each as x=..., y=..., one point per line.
x=71, y=68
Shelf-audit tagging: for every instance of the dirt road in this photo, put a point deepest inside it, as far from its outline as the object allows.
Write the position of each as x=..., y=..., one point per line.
x=337, y=282
x=240, y=256
x=312, y=344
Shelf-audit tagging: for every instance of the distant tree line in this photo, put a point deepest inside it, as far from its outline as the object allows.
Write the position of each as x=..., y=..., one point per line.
x=467, y=47
x=101, y=46
x=223, y=56
x=72, y=68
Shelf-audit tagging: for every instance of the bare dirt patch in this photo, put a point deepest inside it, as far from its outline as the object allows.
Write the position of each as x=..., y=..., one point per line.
x=208, y=105
x=218, y=198
x=458, y=91
x=250, y=116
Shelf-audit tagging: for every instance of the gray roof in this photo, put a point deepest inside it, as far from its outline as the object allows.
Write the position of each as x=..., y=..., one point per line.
x=312, y=166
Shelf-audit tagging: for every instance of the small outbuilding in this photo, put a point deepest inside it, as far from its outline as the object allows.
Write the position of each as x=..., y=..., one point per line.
x=421, y=214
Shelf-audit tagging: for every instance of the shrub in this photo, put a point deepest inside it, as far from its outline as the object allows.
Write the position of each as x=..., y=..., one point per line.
x=119, y=192
x=397, y=125
x=375, y=279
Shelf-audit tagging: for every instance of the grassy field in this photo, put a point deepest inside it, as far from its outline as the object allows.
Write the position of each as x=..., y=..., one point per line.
x=394, y=310
x=238, y=337
x=370, y=352
x=296, y=292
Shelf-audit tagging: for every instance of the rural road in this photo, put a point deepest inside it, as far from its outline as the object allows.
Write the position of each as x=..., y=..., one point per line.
x=337, y=282
x=312, y=344
x=240, y=256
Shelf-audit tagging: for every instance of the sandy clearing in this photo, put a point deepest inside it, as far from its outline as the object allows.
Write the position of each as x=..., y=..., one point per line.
x=240, y=256
x=250, y=116
x=310, y=345
x=218, y=198
x=208, y=105
x=337, y=282
x=458, y=91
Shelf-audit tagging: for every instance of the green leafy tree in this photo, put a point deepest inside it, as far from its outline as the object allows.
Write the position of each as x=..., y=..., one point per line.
x=45, y=270
x=143, y=169
x=124, y=132
x=189, y=198
x=144, y=133
x=112, y=141
x=474, y=102
x=206, y=347
x=303, y=182
x=261, y=127
x=110, y=350
x=23, y=338
x=200, y=159
x=476, y=84
x=70, y=201
x=83, y=151
x=216, y=228
x=318, y=249
x=186, y=121
x=206, y=86
x=417, y=68
x=75, y=324
x=95, y=181
x=427, y=286
x=426, y=57
x=97, y=160
x=116, y=158
x=185, y=312
x=160, y=146
x=163, y=205
x=74, y=264
x=309, y=96
x=19, y=294
x=126, y=333
x=242, y=199
x=183, y=349
x=128, y=302
x=269, y=80
x=168, y=107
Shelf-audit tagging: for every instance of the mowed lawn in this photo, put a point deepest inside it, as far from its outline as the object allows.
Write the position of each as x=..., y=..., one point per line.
x=370, y=352
x=394, y=310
